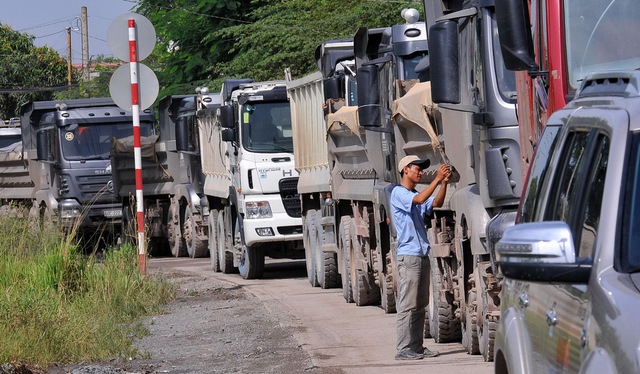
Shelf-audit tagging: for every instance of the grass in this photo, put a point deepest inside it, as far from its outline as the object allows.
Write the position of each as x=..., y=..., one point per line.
x=60, y=306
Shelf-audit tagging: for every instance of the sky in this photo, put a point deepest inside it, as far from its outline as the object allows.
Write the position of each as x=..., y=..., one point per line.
x=48, y=20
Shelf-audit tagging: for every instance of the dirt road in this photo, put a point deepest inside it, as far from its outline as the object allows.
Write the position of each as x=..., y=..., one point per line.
x=312, y=330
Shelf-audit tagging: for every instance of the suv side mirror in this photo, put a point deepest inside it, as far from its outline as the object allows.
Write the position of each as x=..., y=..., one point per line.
x=43, y=151
x=444, y=64
x=541, y=252
x=516, y=42
x=225, y=115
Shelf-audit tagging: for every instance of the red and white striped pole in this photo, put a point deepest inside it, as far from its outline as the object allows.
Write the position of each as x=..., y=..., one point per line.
x=137, y=154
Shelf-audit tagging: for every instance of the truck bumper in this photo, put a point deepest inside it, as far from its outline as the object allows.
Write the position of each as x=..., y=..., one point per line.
x=280, y=228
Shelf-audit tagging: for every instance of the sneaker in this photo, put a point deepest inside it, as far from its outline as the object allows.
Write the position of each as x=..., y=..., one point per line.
x=427, y=353
x=409, y=355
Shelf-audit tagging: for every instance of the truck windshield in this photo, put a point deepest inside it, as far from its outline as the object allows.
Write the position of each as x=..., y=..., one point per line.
x=93, y=141
x=600, y=35
x=266, y=127
x=505, y=78
x=9, y=140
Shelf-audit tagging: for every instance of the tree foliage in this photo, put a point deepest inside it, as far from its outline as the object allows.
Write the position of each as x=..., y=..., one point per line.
x=184, y=56
x=26, y=71
x=286, y=34
x=218, y=39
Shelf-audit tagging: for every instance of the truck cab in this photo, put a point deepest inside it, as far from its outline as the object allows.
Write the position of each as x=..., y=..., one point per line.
x=67, y=145
x=250, y=178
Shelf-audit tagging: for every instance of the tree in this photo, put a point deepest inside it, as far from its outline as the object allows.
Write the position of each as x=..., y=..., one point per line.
x=286, y=34
x=27, y=72
x=184, y=56
x=97, y=86
x=218, y=39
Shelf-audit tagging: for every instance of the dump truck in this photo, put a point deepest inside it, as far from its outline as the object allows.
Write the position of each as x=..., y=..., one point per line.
x=175, y=208
x=66, y=146
x=447, y=98
x=15, y=184
x=249, y=178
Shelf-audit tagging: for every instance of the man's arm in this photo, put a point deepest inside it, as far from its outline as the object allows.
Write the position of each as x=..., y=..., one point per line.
x=442, y=177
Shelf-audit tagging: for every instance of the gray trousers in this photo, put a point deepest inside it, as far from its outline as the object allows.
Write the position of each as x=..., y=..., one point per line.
x=412, y=298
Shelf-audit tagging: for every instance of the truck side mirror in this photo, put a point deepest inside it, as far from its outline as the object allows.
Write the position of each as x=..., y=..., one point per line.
x=182, y=134
x=225, y=116
x=369, y=111
x=514, y=28
x=444, y=64
x=228, y=135
x=43, y=152
x=332, y=87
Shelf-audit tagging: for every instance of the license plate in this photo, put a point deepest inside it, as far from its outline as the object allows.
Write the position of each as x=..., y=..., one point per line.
x=112, y=213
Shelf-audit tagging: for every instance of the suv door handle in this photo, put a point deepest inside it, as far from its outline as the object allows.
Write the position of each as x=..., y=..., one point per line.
x=552, y=319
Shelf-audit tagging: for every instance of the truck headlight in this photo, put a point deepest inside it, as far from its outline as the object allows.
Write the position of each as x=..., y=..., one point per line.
x=69, y=212
x=258, y=209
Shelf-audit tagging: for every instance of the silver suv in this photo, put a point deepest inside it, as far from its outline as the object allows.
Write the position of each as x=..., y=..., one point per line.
x=571, y=300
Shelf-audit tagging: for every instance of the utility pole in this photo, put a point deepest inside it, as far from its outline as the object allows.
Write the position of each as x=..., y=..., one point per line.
x=69, y=60
x=85, y=44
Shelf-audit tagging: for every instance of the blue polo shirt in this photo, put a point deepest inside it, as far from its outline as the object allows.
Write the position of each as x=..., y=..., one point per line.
x=408, y=218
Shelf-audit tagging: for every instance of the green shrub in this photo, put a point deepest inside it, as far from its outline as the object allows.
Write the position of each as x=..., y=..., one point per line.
x=58, y=305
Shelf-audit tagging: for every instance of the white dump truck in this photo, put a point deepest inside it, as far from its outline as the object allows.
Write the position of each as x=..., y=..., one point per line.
x=249, y=177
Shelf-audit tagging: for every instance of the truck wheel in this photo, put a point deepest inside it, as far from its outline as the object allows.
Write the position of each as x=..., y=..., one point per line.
x=388, y=289
x=345, y=246
x=176, y=242
x=309, y=247
x=365, y=291
x=223, y=235
x=213, y=240
x=251, y=264
x=469, y=327
x=195, y=242
x=445, y=327
x=487, y=323
x=326, y=262
x=129, y=229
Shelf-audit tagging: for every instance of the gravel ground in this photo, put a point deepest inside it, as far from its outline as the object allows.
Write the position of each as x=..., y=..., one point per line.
x=212, y=327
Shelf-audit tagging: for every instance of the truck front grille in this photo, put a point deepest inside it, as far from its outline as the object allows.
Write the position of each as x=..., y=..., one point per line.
x=290, y=197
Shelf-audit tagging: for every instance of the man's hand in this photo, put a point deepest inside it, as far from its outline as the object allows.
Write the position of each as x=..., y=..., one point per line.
x=444, y=173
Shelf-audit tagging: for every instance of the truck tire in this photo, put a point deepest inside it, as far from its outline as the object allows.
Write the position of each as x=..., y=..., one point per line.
x=469, y=327
x=225, y=243
x=444, y=325
x=251, y=264
x=195, y=242
x=388, y=289
x=213, y=240
x=365, y=291
x=345, y=247
x=326, y=262
x=487, y=324
x=309, y=243
x=129, y=229
x=176, y=242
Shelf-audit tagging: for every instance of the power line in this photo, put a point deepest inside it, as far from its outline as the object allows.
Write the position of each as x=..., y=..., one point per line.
x=4, y=90
x=194, y=13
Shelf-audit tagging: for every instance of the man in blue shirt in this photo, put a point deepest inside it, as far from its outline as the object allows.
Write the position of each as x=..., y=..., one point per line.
x=408, y=208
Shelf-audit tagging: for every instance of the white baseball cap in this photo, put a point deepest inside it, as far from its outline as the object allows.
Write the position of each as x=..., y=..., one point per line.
x=412, y=160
